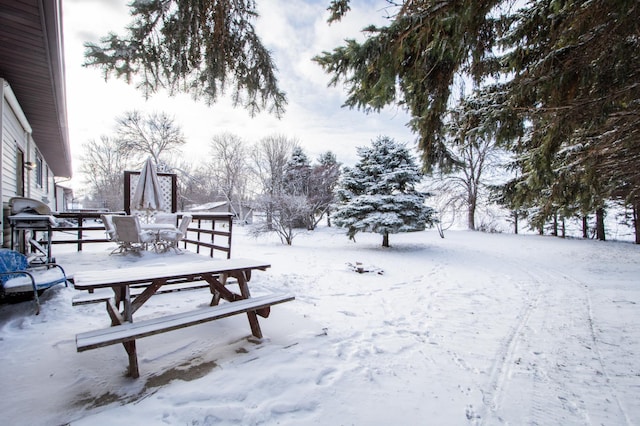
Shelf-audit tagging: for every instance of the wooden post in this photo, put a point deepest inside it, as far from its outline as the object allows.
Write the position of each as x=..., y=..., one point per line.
x=251, y=315
x=130, y=347
x=80, y=223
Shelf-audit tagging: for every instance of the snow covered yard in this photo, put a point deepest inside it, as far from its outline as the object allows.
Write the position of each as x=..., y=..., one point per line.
x=471, y=329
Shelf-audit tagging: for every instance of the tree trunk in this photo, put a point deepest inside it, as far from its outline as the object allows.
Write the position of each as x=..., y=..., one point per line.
x=600, y=224
x=555, y=225
x=385, y=239
x=515, y=222
x=269, y=219
x=471, y=215
x=585, y=227
x=636, y=221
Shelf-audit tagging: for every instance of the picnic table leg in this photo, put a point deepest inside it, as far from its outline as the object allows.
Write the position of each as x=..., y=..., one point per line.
x=114, y=314
x=130, y=347
x=118, y=296
x=215, y=300
x=219, y=291
x=251, y=315
x=243, y=278
x=142, y=298
x=128, y=312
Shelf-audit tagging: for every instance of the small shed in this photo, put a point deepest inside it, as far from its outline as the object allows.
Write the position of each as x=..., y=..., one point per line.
x=242, y=213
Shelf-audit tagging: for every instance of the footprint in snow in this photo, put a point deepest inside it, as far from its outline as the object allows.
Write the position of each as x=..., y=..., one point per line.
x=326, y=377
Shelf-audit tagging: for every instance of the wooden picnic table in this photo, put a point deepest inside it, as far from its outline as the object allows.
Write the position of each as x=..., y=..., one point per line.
x=215, y=272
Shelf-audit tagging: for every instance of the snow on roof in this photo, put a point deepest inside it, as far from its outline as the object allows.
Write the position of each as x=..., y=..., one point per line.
x=208, y=206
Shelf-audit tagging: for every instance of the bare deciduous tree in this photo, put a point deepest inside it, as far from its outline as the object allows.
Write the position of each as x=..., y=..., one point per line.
x=102, y=164
x=191, y=182
x=464, y=187
x=155, y=135
x=269, y=160
x=287, y=210
x=228, y=170
x=474, y=156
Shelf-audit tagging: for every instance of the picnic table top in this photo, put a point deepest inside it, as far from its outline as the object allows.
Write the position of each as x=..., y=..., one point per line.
x=84, y=280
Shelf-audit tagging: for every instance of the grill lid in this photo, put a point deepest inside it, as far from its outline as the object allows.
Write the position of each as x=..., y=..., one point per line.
x=28, y=205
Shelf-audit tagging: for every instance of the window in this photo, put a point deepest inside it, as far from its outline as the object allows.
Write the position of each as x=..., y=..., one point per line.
x=19, y=172
x=39, y=171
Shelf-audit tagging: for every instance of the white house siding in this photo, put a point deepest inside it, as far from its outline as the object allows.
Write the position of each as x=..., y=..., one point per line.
x=16, y=137
x=63, y=199
x=13, y=137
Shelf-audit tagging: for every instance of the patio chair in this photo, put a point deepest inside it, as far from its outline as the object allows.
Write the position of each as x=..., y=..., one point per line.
x=107, y=221
x=18, y=278
x=129, y=237
x=173, y=237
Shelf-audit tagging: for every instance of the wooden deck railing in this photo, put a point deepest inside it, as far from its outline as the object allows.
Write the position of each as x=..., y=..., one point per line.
x=207, y=232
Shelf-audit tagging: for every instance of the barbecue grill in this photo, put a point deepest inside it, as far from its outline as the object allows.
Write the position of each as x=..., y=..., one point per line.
x=28, y=217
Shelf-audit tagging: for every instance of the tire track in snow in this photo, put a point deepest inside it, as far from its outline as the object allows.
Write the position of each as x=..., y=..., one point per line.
x=580, y=380
x=505, y=358
x=597, y=350
x=550, y=365
x=552, y=401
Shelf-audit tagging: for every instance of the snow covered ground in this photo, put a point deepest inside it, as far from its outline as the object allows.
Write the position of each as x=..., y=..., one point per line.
x=471, y=329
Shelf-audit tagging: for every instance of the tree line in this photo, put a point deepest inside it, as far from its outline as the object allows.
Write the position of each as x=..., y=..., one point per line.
x=273, y=176
x=548, y=87
x=553, y=83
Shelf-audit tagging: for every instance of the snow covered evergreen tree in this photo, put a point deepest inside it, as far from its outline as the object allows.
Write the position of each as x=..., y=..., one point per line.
x=378, y=194
x=297, y=172
x=323, y=181
x=296, y=177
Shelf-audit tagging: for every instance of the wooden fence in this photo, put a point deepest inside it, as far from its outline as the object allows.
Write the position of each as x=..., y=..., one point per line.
x=208, y=232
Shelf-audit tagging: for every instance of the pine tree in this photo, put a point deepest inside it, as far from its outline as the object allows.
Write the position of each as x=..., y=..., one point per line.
x=297, y=172
x=324, y=178
x=413, y=61
x=566, y=71
x=199, y=47
x=378, y=194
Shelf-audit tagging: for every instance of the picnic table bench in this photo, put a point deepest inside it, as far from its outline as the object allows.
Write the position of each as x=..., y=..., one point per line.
x=152, y=278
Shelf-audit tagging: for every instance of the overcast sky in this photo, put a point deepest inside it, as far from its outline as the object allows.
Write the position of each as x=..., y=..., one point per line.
x=294, y=30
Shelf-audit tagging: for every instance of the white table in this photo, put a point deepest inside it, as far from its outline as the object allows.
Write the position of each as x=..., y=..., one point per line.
x=156, y=228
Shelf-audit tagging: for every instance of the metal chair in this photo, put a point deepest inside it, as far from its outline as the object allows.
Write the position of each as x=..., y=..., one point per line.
x=18, y=277
x=129, y=237
x=108, y=227
x=171, y=238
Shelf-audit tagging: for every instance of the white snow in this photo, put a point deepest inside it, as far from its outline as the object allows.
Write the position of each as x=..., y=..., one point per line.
x=471, y=329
